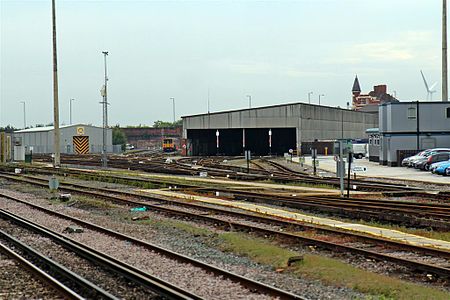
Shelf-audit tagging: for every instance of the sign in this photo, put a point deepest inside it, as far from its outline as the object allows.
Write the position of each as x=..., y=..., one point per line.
x=53, y=183
x=356, y=169
x=80, y=130
x=291, y=151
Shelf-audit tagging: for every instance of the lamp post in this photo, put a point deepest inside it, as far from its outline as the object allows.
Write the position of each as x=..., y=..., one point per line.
x=270, y=142
x=309, y=97
x=249, y=101
x=24, y=115
x=104, y=93
x=56, y=134
x=173, y=108
x=217, y=142
x=70, y=106
x=321, y=95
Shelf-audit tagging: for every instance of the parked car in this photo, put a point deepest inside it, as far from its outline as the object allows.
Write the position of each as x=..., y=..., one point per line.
x=406, y=162
x=424, y=162
x=437, y=164
x=443, y=169
x=359, y=150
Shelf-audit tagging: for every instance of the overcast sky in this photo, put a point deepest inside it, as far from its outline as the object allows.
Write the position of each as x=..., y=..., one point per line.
x=275, y=51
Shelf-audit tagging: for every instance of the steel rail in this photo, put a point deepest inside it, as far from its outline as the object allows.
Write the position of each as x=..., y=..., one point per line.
x=43, y=277
x=246, y=282
x=107, y=195
x=383, y=211
x=442, y=271
x=89, y=289
x=133, y=274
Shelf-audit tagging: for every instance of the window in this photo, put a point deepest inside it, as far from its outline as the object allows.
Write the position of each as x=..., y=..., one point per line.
x=448, y=112
x=411, y=113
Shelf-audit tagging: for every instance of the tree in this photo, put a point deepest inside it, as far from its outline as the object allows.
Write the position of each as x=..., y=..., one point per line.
x=161, y=124
x=118, y=137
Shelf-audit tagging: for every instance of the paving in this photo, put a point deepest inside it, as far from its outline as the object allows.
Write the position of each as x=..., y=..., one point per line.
x=374, y=169
x=261, y=209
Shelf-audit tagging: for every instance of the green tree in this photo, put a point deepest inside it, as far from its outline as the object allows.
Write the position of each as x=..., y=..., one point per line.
x=118, y=137
x=161, y=124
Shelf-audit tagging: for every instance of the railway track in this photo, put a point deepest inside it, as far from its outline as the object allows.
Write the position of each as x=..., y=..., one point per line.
x=255, y=287
x=108, y=278
x=20, y=278
x=430, y=260
x=436, y=216
x=284, y=175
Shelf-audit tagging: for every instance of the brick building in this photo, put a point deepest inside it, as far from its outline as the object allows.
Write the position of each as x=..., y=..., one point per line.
x=364, y=102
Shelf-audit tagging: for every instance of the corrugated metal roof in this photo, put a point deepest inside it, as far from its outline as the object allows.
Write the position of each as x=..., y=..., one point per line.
x=49, y=128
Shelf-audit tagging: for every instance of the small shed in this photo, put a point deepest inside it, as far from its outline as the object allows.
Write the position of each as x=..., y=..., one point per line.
x=75, y=139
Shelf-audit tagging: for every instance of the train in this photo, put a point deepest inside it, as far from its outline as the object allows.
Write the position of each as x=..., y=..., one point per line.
x=168, y=145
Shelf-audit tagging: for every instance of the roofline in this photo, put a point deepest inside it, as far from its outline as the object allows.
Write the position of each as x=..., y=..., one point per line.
x=270, y=106
x=50, y=128
x=414, y=102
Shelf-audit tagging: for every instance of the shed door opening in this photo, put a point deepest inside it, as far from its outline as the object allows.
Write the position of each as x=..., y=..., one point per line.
x=81, y=144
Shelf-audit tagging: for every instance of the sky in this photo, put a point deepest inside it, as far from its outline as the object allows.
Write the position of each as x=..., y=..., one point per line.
x=275, y=51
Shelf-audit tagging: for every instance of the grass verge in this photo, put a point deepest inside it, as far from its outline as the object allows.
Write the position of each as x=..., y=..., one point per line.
x=315, y=267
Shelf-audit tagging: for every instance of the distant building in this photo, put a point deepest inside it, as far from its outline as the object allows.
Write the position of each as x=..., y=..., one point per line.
x=369, y=102
x=75, y=139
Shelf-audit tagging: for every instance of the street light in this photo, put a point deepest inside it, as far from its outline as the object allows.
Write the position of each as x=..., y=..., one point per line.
x=270, y=142
x=70, y=102
x=24, y=116
x=249, y=101
x=309, y=97
x=321, y=95
x=173, y=107
x=104, y=94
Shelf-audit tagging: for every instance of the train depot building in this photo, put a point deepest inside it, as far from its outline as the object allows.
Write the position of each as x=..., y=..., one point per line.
x=272, y=129
x=75, y=139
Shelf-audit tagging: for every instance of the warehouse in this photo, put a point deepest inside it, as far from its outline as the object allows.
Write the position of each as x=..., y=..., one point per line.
x=77, y=139
x=271, y=129
x=408, y=127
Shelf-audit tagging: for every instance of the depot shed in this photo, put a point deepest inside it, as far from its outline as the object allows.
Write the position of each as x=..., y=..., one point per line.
x=75, y=139
x=272, y=129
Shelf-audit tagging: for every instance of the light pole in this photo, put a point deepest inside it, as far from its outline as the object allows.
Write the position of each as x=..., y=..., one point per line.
x=56, y=135
x=24, y=116
x=70, y=102
x=321, y=95
x=309, y=97
x=270, y=142
x=173, y=108
x=104, y=93
x=249, y=101
x=444, y=52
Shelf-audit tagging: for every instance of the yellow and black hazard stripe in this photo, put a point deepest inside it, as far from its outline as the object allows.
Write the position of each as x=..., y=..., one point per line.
x=81, y=144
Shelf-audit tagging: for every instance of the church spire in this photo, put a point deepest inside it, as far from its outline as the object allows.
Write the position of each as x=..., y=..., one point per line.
x=356, y=87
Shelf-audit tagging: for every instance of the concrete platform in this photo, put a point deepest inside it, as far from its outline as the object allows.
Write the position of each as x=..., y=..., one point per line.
x=264, y=210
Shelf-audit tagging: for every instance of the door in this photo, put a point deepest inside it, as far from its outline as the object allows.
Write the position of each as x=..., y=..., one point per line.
x=81, y=144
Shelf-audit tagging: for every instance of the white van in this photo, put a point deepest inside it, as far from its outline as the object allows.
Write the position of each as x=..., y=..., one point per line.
x=359, y=150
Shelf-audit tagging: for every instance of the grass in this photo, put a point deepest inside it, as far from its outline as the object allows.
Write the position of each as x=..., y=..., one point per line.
x=439, y=235
x=314, y=267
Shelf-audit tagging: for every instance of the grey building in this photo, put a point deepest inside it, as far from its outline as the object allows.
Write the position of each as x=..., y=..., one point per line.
x=408, y=127
x=78, y=139
x=271, y=129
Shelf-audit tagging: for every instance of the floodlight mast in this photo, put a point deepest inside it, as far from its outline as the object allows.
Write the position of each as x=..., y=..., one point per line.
x=104, y=93
x=56, y=137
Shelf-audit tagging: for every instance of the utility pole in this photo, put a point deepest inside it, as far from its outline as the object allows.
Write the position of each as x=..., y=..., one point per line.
x=104, y=93
x=249, y=101
x=24, y=116
x=309, y=97
x=444, y=52
x=321, y=95
x=173, y=108
x=57, y=162
x=70, y=102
